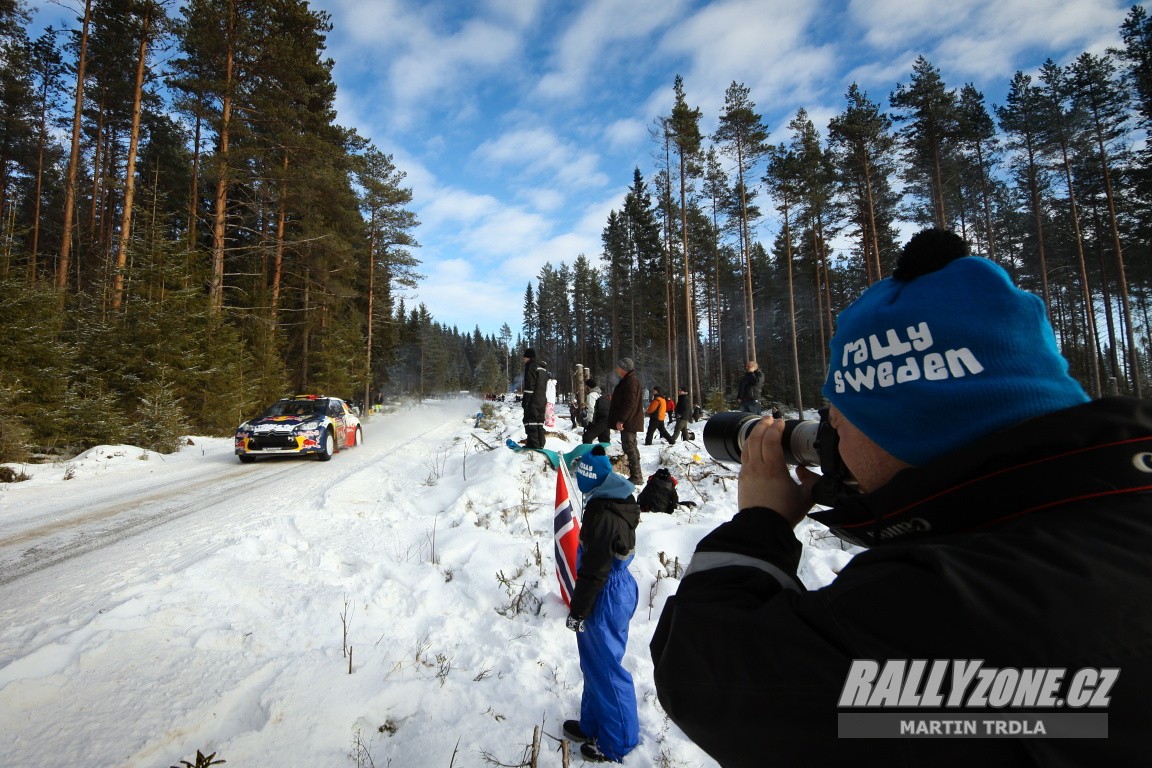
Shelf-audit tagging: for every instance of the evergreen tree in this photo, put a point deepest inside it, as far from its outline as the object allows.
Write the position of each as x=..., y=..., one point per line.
x=976, y=132
x=47, y=69
x=862, y=140
x=1021, y=120
x=742, y=136
x=929, y=110
x=1096, y=92
x=684, y=133
x=1058, y=130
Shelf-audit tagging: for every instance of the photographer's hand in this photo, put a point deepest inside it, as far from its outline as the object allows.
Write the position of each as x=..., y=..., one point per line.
x=764, y=477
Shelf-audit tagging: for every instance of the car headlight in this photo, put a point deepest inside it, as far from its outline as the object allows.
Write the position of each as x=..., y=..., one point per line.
x=308, y=426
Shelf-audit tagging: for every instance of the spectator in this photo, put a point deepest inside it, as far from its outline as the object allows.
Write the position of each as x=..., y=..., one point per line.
x=535, y=399
x=626, y=415
x=602, y=605
x=657, y=411
x=748, y=391
x=1008, y=519
x=598, y=430
x=683, y=416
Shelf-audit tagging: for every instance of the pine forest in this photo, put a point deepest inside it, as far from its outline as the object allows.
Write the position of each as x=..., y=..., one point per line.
x=187, y=234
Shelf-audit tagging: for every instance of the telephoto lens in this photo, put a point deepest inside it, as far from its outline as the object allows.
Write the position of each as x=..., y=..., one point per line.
x=725, y=433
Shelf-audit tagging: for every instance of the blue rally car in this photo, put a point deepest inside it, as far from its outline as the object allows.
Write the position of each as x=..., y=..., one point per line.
x=303, y=424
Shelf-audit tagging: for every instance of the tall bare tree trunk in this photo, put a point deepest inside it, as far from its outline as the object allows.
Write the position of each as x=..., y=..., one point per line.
x=792, y=309
x=1089, y=311
x=367, y=404
x=941, y=215
x=1121, y=276
x=74, y=158
x=130, y=172
x=873, y=248
x=987, y=200
x=216, y=283
x=281, y=224
x=1034, y=193
x=41, y=144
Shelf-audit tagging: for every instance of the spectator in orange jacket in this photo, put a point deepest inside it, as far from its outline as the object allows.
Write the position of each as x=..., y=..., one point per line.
x=657, y=412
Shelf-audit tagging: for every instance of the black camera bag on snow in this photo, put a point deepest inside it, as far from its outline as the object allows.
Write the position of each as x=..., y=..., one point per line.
x=659, y=494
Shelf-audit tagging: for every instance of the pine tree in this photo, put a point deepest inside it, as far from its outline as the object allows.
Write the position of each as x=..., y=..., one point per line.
x=47, y=68
x=929, y=110
x=684, y=132
x=784, y=178
x=862, y=140
x=1057, y=130
x=976, y=131
x=742, y=135
x=69, y=214
x=146, y=17
x=1020, y=118
x=1096, y=92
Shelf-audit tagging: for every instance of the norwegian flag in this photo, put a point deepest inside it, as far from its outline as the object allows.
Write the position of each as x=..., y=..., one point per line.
x=566, y=526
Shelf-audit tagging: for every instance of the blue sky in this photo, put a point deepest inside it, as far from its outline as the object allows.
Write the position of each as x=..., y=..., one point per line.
x=519, y=122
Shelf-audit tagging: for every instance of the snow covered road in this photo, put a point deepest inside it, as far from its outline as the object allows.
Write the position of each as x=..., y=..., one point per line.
x=152, y=606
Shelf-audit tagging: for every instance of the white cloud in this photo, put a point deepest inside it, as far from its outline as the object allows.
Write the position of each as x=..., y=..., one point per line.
x=762, y=45
x=983, y=39
x=541, y=151
x=626, y=133
x=419, y=56
x=599, y=33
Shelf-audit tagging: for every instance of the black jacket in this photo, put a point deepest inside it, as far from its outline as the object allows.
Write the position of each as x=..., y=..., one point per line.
x=607, y=532
x=1029, y=548
x=600, y=412
x=535, y=392
x=750, y=384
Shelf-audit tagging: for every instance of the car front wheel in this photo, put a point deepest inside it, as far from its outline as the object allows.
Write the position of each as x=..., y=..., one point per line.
x=329, y=446
x=246, y=459
x=359, y=436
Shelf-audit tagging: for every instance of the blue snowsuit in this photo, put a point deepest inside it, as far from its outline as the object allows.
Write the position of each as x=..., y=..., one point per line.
x=606, y=597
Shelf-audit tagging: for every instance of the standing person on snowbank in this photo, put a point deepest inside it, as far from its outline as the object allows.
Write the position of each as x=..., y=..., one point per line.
x=748, y=391
x=657, y=411
x=1009, y=523
x=598, y=429
x=535, y=399
x=626, y=415
x=683, y=414
x=603, y=602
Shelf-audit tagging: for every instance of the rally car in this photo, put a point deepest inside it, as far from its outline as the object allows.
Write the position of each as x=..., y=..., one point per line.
x=303, y=424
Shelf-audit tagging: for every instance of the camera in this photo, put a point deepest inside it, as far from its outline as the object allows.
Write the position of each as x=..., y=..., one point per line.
x=808, y=442
x=725, y=433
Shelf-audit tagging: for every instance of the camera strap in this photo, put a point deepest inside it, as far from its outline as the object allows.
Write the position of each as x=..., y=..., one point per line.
x=1085, y=475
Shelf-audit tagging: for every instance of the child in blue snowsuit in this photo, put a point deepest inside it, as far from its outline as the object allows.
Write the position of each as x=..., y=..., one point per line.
x=603, y=602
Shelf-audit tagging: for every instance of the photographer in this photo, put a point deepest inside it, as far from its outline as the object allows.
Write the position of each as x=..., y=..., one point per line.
x=1009, y=523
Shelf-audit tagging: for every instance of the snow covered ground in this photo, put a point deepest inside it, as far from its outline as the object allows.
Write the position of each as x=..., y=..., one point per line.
x=396, y=606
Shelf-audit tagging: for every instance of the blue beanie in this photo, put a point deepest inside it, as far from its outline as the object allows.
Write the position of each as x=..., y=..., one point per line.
x=592, y=469
x=926, y=364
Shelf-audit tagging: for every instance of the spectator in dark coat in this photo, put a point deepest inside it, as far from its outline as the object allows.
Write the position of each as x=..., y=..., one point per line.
x=598, y=431
x=683, y=416
x=535, y=399
x=626, y=415
x=748, y=392
x=1009, y=526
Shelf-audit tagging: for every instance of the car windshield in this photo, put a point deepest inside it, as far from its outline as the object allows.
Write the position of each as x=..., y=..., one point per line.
x=297, y=408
